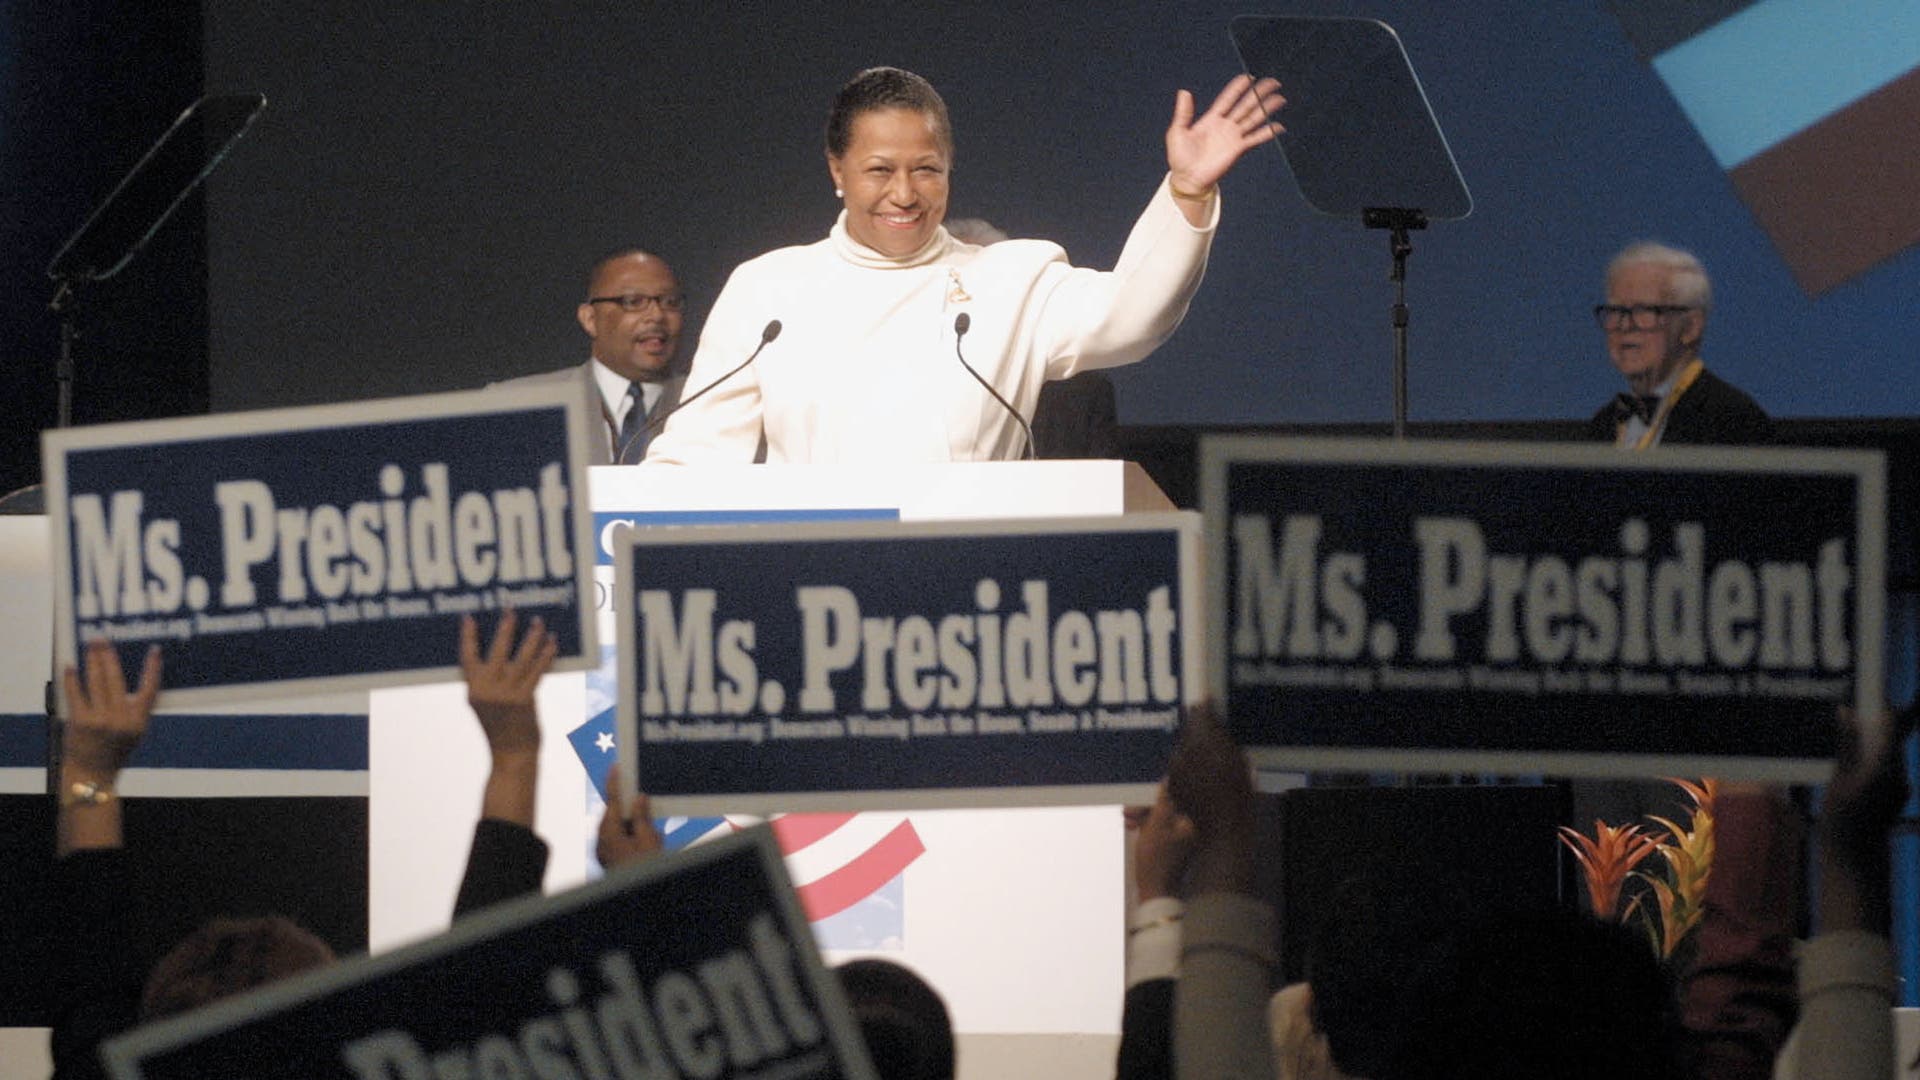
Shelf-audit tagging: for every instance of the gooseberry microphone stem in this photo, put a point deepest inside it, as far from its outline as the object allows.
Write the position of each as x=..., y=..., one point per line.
x=961, y=323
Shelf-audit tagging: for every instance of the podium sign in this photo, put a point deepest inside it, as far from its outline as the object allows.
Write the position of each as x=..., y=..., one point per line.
x=894, y=665
x=324, y=548
x=691, y=964
x=1569, y=609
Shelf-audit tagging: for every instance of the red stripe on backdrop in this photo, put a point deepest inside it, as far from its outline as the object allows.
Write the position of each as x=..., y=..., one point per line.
x=866, y=872
x=796, y=831
x=1839, y=197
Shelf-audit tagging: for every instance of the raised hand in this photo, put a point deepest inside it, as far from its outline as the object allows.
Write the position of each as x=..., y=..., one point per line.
x=1161, y=851
x=1211, y=783
x=501, y=683
x=1862, y=803
x=106, y=722
x=500, y=687
x=1200, y=151
x=626, y=835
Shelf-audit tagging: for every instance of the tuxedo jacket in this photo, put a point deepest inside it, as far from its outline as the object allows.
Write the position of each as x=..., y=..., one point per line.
x=1713, y=412
x=1076, y=418
x=601, y=442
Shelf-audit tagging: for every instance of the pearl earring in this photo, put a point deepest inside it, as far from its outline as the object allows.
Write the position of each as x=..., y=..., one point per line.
x=838, y=194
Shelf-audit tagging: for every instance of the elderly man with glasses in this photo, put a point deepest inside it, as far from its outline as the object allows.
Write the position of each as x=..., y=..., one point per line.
x=632, y=312
x=1654, y=318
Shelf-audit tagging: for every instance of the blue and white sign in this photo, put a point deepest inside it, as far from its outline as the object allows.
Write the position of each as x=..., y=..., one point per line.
x=324, y=548
x=896, y=665
x=692, y=964
x=1543, y=608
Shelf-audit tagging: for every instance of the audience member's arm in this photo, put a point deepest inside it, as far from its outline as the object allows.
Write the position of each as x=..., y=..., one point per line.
x=1220, y=1006
x=1737, y=999
x=1163, y=840
x=104, y=725
x=626, y=835
x=1846, y=972
x=508, y=859
x=1163, y=843
x=500, y=688
x=97, y=970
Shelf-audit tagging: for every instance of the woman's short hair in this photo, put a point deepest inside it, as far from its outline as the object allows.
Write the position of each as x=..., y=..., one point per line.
x=228, y=956
x=885, y=88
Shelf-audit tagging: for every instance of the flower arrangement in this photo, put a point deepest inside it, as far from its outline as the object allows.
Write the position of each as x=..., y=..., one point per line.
x=1614, y=854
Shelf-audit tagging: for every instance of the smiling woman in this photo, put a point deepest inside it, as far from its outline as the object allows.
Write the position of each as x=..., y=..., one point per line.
x=868, y=363
x=889, y=149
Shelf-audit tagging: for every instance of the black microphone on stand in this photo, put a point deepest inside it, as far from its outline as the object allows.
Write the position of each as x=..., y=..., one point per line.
x=961, y=323
x=767, y=334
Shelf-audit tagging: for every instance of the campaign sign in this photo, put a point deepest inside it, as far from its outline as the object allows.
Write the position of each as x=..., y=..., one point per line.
x=692, y=964
x=904, y=665
x=1558, y=608
x=323, y=548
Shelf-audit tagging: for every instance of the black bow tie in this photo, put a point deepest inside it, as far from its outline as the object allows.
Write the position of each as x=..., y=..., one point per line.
x=1627, y=405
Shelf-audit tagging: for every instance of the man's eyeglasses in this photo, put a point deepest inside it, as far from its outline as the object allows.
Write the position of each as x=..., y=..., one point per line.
x=1635, y=316
x=641, y=301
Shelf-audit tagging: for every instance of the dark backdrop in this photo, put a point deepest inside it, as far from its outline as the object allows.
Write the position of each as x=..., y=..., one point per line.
x=414, y=211
x=85, y=87
x=420, y=200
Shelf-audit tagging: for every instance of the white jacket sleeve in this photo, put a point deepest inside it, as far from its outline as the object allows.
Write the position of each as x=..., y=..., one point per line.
x=1095, y=319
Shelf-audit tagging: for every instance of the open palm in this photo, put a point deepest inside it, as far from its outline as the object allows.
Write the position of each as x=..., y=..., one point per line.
x=1201, y=150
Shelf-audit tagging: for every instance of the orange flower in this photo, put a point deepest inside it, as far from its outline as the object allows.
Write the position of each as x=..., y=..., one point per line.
x=1702, y=793
x=1606, y=858
x=1612, y=854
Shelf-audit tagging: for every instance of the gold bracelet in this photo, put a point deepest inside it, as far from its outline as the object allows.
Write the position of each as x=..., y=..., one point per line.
x=86, y=793
x=1191, y=196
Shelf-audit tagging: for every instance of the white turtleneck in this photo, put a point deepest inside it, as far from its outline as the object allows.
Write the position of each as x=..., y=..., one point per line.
x=864, y=368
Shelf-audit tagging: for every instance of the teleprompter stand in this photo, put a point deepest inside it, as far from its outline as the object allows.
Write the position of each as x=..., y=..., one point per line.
x=1360, y=139
x=115, y=232
x=144, y=199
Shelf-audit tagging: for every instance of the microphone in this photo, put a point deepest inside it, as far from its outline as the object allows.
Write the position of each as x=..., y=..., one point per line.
x=767, y=334
x=961, y=324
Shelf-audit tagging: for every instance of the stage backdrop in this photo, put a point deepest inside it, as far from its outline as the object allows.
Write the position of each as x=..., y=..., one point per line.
x=415, y=210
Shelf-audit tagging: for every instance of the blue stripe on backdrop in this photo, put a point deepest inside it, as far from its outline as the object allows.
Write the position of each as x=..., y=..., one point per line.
x=187, y=741
x=754, y=517
x=274, y=741
x=647, y=518
x=1780, y=66
x=23, y=740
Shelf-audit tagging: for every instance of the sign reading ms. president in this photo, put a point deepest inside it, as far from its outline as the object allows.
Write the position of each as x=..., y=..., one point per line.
x=1522, y=607
x=899, y=665
x=322, y=548
x=693, y=964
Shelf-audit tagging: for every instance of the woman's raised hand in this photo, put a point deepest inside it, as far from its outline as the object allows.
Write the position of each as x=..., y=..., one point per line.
x=1201, y=150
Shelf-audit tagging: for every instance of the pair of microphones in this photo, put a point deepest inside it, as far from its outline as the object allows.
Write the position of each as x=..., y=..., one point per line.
x=961, y=324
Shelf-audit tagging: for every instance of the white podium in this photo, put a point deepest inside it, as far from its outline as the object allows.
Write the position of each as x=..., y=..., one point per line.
x=1016, y=916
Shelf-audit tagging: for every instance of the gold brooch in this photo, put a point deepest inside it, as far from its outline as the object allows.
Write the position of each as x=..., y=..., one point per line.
x=956, y=292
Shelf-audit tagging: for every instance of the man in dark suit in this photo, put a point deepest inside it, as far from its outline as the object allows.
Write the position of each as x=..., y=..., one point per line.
x=633, y=312
x=1075, y=418
x=1654, y=318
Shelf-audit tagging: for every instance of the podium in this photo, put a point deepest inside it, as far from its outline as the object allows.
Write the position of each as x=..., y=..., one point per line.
x=1016, y=916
